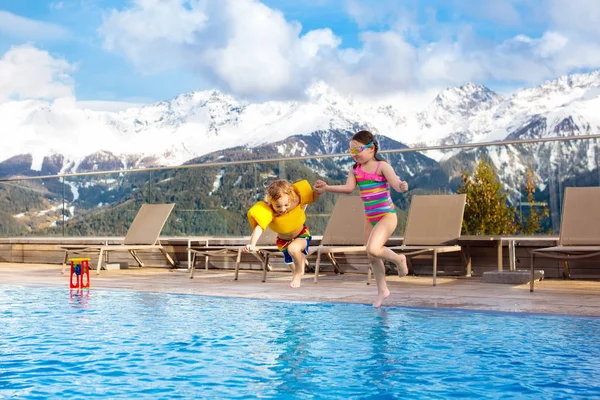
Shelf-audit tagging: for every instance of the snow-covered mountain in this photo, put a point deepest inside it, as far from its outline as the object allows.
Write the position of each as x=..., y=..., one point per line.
x=59, y=137
x=206, y=126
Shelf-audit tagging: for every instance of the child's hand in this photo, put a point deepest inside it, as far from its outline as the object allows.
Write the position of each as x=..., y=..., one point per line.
x=249, y=248
x=320, y=186
x=403, y=187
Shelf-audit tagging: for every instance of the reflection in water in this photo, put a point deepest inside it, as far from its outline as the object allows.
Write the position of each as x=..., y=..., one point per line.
x=292, y=345
x=379, y=343
x=79, y=298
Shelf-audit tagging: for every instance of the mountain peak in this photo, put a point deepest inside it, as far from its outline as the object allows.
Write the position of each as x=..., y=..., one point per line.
x=319, y=88
x=321, y=92
x=204, y=97
x=467, y=92
x=567, y=82
x=458, y=103
x=557, y=92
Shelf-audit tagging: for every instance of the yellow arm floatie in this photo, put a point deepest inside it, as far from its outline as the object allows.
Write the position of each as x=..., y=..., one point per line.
x=305, y=191
x=260, y=214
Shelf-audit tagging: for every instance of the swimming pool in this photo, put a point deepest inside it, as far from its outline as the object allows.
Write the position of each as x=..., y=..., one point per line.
x=119, y=344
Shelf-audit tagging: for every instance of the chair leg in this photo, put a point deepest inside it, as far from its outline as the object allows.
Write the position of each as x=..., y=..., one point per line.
x=191, y=260
x=237, y=264
x=306, y=266
x=317, y=265
x=336, y=267
x=409, y=267
x=189, y=251
x=136, y=258
x=65, y=262
x=99, y=261
x=266, y=262
x=499, y=254
x=531, y=274
x=466, y=262
x=192, y=266
x=566, y=271
x=168, y=257
x=512, y=258
x=435, y=267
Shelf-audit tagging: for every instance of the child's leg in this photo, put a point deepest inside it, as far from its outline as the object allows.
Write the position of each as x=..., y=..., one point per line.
x=378, y=270
x=295, y=250
x=379, y=236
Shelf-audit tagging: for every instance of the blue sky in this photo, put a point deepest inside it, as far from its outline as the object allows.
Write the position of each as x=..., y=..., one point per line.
x=143, y=51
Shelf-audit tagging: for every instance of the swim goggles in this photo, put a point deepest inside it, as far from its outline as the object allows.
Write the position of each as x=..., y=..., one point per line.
x=357, y=150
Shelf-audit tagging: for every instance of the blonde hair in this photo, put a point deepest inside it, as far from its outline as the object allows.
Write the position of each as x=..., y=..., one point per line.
x=279, y=188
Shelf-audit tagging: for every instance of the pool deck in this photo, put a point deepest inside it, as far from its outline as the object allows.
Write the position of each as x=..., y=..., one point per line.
x=550, y=296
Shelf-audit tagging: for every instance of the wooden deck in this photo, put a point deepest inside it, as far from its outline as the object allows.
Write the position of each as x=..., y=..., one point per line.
x=550, y=296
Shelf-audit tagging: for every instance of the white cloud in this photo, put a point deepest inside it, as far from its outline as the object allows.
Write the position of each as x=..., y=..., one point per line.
x=550, y=44
x=385, y=61
x=581, y=16
x=154, y=34
x=366, y=13
x=27, y=72
x=504, y=12
x=242, y=45
x=448, y=62
x=28, y=29
x=245, y=47
x=258, y=51
x=533, y=60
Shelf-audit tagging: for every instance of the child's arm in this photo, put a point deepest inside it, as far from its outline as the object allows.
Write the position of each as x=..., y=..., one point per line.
x=316, y=195
x=322, y=187
x=250, y=247
x=395, y=182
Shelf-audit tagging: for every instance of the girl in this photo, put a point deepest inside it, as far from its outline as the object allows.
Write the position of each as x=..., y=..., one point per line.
x=374, y=178
x=283, y=212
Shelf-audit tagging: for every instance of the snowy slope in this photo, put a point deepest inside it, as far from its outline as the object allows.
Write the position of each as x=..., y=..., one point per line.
x=194, y=124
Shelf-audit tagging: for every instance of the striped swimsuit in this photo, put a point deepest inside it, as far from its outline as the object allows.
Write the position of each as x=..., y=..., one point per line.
x=375, y=194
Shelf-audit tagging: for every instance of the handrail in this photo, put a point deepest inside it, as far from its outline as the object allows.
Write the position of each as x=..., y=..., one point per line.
x=301, y=158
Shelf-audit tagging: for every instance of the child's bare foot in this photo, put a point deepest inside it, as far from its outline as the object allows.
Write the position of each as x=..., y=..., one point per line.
x=296, y=281
x=401, y=265
x=381, y=296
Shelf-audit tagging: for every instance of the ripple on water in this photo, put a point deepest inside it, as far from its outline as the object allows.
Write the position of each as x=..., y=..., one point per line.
x=126, y=345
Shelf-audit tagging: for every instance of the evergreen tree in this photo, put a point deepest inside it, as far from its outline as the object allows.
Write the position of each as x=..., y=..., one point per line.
x=531, y=223
x=486, y=210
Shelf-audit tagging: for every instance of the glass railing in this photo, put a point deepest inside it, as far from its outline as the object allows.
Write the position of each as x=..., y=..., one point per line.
x=212, y=199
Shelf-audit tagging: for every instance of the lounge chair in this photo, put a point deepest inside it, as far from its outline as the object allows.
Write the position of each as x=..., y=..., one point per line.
x=266, y=242
x=142, y=235
x=579, y=230
x=433, y=226
x=344, y=233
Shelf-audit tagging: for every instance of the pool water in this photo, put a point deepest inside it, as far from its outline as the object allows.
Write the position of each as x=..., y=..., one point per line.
x=119, y=344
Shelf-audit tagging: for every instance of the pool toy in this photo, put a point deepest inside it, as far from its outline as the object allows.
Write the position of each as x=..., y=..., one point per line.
x=80, y=269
